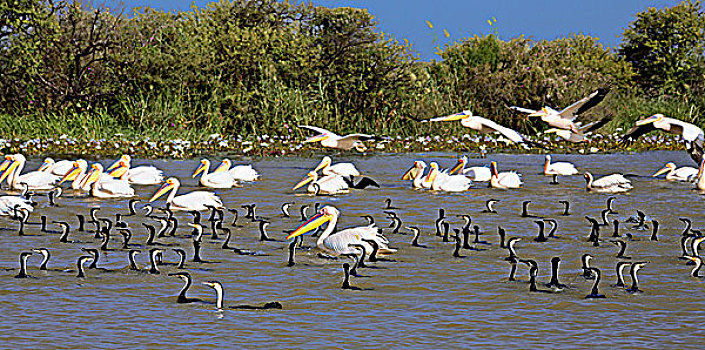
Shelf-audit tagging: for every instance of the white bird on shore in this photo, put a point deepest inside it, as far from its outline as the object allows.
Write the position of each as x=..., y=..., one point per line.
x=332, y=140
x=686, y=173
x=614, y=183
x=558, y=168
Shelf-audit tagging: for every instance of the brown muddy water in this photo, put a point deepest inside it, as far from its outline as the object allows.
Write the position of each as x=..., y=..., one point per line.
x=425, y=299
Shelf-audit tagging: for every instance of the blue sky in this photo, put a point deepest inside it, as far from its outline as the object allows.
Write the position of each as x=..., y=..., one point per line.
x=547, y=19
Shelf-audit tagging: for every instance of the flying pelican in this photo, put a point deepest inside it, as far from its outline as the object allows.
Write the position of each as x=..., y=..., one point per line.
x=106, y=187
x=415, y=173
x=196, y=200
x=239, y=172
x=558, y=168
x=77, y=173
x=564, y=119
x=221, y=179
x=59, y=168
x=614, y=183
x=686, y=173
x=342, y=169
x=447, y=183
x=327, y=185
x=476, y=173
x=35, y=180
x=141, y=175
x=345, y=143
x=483, y=125
x=508, y=179
x=338, y=243
x=579, y=136
x=693, y=135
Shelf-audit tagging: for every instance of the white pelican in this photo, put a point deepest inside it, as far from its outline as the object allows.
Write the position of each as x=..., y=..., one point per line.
x=345, y=143
x=342, y=169
x=327, y=185
x=579, y=136
x=558, y=168
x=221, y=179
x=475, y=173
x=685, y=173
x=59, y=168
x=238, y=172
x=614, y=183
x=106, y=187
x=693, y=135
x=564, y=119
x=415, y=173
x=35, y=180
x=700, y=184
x=77, y=173
x=9, y=203
x=483, y=125
x=447, y=183
x=141, y=175
x=505, y=179
x=338, y=243
x=196, y=200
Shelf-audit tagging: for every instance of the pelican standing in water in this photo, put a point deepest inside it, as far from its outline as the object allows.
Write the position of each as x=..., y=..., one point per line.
x=686, y=173
x=447, y=183
x=35, y=180
x=344, y=143
x=342, y=169
x=614, y=183
x=692, y=135
x=483, y=125
x=221, y=179
x=141, y=175
x=103, y=187
x=239, y=172
x=505, y=179
x=59, y=168
x=196, y=200
x=415, y=173
x=564, y=119
x=327, y=185
x=476, y=173
x=338, y=243
x=558, y=168
x=77, y=173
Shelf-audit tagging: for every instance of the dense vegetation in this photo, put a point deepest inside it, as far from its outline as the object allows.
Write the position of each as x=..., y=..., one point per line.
x=254, y=67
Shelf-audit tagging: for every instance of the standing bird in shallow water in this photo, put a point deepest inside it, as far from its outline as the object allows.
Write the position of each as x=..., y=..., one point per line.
x=196, y=200
x=614, y=183
x=504, y=179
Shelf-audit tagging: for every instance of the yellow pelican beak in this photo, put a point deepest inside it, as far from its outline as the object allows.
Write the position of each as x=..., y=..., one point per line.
x=317, y=138
x=432, y=175
x=117, y=163
x=160, y=192
x=324, y=163
x=648, y=120
x=310, y=225
x=91, y=177
x=450, y=118
x=201, y=168
x=5, y=164
x=456, y=167
x=411, y=173
x=119, y=171
x=539, y=113
x=11, y=168
x=44, y=166
x=305, y=180
x=662, y=171
x=71, y=174
x=222, y=167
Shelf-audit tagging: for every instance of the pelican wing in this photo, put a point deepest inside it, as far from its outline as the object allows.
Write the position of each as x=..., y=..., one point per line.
x=478, y=173
x=8, y=203
x=614, y=180
x=689, y=131
x=577, y=108
x=561, y=168
x=343, y=169
x=507, y=132
x=320, y=130
x=637, y=131
x=115, y=189
x=196, y=200
x=244, y=173
x=62, y=167
x=145, y=175
x=509, y=179
x=221, y=179
x=332, y=184
x=38, y=180
x=340, y=241
x=453, y=183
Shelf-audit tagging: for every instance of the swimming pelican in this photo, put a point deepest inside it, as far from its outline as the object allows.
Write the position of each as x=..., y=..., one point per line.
x=415, y=173
x=475, y=173
x=35, y=180
x=239, y=172
x=345, y=143
x=579, y=136
x=614, y=183
x=221, y=179
x=59, y=168
x=685, y=173
x=700, y=184
x=558, y=168
x=327, y=185
x=338, y=243
x=483, y=125
x=9, y=205
x=77, y=173
x=196, y=200
x=564, y=119
x=141, y=175
x=505, y=179
x=693, y=135
x=342, y=169
x=106, y=187
x=447, y=183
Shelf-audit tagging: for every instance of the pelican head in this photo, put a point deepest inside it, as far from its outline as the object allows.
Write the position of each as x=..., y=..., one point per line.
x=47, y=163
x=668, y=167
x=205, y=164
x=459, y=165
x=168, y=185
x=122, y=167
x=93, y=175
x=14, y=161
x=78, y=166
x=540, y=113
x=411, y=173
x=326, y=161
x=225, y=165
x=493, y=168
x=124, y=158
x=311, y=176
x=432, y=173
x=324, y=215
x=652, y=119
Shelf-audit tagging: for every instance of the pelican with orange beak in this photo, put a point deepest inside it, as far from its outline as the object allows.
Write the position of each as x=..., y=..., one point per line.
x=222, y=179
x=447, y=183
x=483, y=126
x=343, y=169
x=327, y=185
x=77, y=174
x=505, y=179
x=239, y=172
x=196, y=200
x=35, y=180
x=141, y=175
x=101, y=187
x=476, y=173
x=415, y=173
x=692, y=135
x=336, y=244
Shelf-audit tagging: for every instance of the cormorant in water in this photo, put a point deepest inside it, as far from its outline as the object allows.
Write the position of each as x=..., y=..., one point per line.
x=131, y=257
x=153, y=260
x=510, y=247
x=554, y=274
x=525, y=210
x=595, y=293
x=346, y=280
x=620, y=273
x=609, y=203
x=370, y=219
x=566, y=209
x=502, y=234
x=554, y=227
x=388, y=204
x=415, y=241
x=635, y=279
x=654, y=230
x=540, y=237
x=698, y=263
x=23, y=265
x=489, y=206
x=79, y=265
x=587, y=273
x=285, y=209
x=218, y=287
x=182, y=298
x=622, y=248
